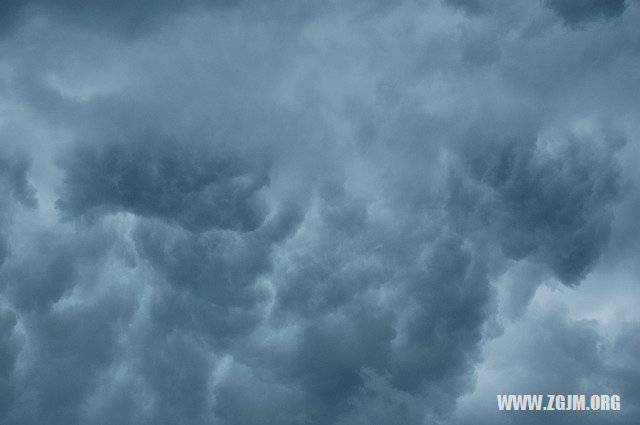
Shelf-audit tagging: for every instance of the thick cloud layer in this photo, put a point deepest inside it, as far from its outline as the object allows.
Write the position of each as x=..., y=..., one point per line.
x=131, y=18
x=548, y=205
x=195, y=192
x=316, y=213
x=573, y=12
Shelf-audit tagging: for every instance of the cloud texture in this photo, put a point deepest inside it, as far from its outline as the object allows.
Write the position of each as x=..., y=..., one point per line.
x=224, y=212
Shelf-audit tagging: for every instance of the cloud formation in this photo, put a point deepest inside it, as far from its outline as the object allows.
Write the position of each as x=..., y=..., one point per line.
x=573, y=12
x=195, y=192
x=553, y=206
x=228, y=213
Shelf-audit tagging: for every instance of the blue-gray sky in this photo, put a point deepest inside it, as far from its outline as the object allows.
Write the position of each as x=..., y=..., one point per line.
x=303, y=212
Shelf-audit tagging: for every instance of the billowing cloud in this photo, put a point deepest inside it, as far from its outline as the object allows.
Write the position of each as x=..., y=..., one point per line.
x=564, y=356
x=573, y=12
x=196, y=193
x=540, y=200
x=315, y=213
x=130, y=19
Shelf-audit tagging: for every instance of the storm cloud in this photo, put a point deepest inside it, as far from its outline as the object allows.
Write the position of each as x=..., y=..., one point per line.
x=573, y=12
x=219, y=212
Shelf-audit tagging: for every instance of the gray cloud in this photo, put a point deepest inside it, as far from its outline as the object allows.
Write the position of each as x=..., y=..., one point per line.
x=553, y=354
x=184, y=187
x=134, y=18
x=13, y=172
x=314, y=213
x=13, y=187
x=43, y=278
x=573, y=12
x=554, y=206
x=73, y=347
x=473, y=7
x=9, y=349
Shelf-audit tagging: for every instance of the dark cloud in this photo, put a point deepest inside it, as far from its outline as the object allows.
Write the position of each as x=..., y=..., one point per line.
x=553, y=206
x=313, y=212
x=473, y=7
x=421, y=336
x=14, y=186
x=13, y=177
x=9, y=13
x=9, y=349
x=575, y=11
x=52, y=269
x=133, y=18
x=71, y=351
x=5, y=251
x=212, y=276
x=186, y=188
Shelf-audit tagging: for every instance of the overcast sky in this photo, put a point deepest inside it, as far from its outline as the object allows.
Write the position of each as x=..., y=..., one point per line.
x=313, y=212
